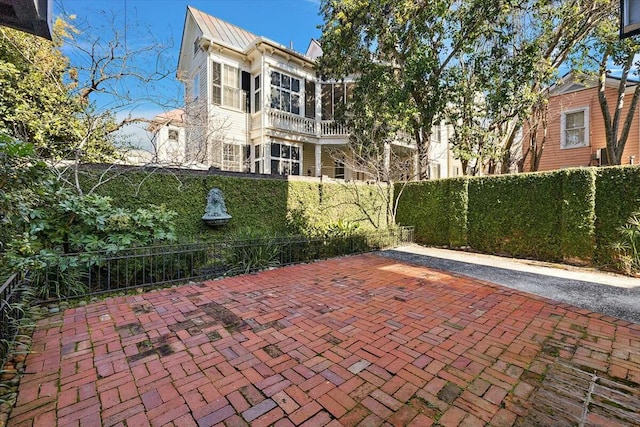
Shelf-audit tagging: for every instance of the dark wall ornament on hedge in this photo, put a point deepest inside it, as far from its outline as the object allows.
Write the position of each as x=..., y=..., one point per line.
x=216, y=211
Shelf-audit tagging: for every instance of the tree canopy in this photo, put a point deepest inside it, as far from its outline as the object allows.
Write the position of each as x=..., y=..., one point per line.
x=595, y=58
x=37, y=102
x=481, y=64
x=409, y=48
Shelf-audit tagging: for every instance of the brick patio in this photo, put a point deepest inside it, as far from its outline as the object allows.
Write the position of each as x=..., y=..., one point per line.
x=361, y=340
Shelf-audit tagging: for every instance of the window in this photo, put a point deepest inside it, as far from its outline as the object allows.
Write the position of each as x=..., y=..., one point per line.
x=338, y=171
x=173, y=134
x=334, y=95
x=232, y=157
x=310, y=99
x=196, y=46
x=575, y=128
x=285, y=159
x=231, y=94
x=434, y=171
x=216, y=83
x=285, y=92
x=225, y=86
x=436, y=136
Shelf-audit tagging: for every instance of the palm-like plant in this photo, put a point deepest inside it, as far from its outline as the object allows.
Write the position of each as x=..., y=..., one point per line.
x=628, y=249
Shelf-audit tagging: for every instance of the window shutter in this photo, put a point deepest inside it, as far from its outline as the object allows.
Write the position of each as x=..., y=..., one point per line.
x=246, y=87
x=216, y=83
x=203, y=82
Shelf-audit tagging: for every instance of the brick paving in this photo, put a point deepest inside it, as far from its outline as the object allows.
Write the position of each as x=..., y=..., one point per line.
x=357, y=341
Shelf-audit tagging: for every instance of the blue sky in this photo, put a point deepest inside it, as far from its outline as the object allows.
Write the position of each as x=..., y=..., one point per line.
x=283, y=21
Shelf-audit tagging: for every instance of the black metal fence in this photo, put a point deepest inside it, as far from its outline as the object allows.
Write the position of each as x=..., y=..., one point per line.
x=11, y=310
x=99, y=272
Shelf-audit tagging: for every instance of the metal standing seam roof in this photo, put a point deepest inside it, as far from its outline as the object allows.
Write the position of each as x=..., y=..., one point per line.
x=222, y=31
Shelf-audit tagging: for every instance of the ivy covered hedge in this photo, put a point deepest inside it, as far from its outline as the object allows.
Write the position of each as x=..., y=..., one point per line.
x=438, y=211
x=569, y=215
x=271, y=206
x=617, y=197
x=516, y=214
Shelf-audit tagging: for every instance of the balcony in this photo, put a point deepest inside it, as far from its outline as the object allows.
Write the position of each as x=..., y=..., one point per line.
x=282, y=120
x=290, y=122
x=332, y=128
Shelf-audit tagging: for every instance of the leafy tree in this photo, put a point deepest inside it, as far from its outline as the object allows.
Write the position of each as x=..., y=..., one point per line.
x=22, y=178
x=490, y=96
x=501, y=83
x=408, y=50
x=553, y=31
x=602, y=50
x=37, y=104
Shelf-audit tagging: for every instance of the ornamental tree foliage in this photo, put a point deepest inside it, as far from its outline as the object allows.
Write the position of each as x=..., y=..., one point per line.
x=73, y=98
x=490, y=95
x=553, y=30
x=596, y=56
x=37, y=104
x=483, y=65
x=408, y=48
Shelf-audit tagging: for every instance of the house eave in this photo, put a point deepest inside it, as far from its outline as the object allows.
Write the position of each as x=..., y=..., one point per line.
x=30, y=16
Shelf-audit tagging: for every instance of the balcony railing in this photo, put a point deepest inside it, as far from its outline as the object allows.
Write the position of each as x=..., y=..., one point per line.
x=332, y=128
x=282, y=120
x=290, y=122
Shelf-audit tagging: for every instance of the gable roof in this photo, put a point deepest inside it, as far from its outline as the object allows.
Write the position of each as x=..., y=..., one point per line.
x=228, y=36
x=574, y=81
x=221, y=31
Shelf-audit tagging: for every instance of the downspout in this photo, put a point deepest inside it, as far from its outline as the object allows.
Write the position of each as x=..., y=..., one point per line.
x=263, y=114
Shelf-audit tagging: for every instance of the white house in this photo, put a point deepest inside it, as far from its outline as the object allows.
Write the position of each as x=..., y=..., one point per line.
x=254, y=105
x=169, y=137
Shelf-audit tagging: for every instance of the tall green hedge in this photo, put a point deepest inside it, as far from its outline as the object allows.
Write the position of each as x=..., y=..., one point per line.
x=617, y=197
x=271, y=205
x=458, y=211
x=516, y=214
x=577, y=241
x=424, y=205
x=437, y=209
x=569, y=215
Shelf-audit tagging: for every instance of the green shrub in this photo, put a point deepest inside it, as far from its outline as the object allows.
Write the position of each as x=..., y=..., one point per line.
x=272, y=206
x=251, y=250
x=627, y=248
x=425, y=205
x=61, y=224
x=458, y=196
x=617, y=197
x=577, y=237
x=518, y=215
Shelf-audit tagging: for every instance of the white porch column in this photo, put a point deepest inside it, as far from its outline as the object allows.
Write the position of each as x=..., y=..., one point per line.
x=318, y=108
x=416, y=166
x=318, y=160
x=267, y=155
x=387, y=160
